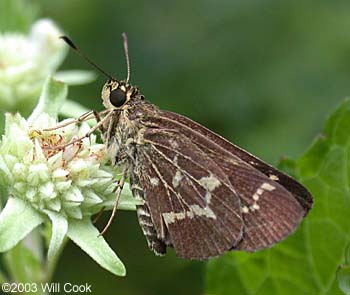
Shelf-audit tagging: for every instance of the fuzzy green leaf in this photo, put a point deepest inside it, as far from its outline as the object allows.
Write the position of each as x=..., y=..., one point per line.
x=23, y=265
x=17, y=220
x=59, y=230
x=343, y=276
x=51, y=99
x=126, y=202
x=86, y=236
x=307, y=261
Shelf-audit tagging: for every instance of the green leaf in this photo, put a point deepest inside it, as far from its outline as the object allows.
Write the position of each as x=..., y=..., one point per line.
x=51, y=99
x=75, y=77
x=23, y=265
x=87, y=237
x=307, y=261
x=59, y=230
x=17, y=220
x=343, y=276
x=347, y=254
x=288, y=166
x=126, y=202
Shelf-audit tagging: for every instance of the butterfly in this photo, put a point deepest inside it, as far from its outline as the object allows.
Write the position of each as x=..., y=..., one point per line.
x=198, y=193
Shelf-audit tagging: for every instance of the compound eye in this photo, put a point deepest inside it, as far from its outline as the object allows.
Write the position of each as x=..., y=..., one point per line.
x=117, y=97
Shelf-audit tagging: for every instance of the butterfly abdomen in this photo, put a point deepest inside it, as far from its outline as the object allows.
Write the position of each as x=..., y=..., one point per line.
x=145, y=219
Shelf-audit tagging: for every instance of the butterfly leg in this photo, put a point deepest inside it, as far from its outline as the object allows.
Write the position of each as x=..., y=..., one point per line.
x=84, y=117
x=98, y=119
x=118, y=191
x=87, y=135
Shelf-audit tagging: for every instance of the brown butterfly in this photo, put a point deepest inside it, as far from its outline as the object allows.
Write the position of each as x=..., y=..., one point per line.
x=200, y=194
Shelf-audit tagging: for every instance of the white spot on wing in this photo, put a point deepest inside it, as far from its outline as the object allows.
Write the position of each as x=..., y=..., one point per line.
x=245, y=209
x=210, y=183
x=176, y=159
x=199, y=211
x=268, y=187
x=255, y=206
x=256, y=196
x=208, y=197
x=274, y=177
x=171, y=217
x=194, y=210
x=259, y=191
x=173, y=143
x=154, y=181
x=177, y=179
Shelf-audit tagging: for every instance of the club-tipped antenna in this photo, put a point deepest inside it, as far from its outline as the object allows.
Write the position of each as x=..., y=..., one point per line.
x=72, y=45
x=126, y=51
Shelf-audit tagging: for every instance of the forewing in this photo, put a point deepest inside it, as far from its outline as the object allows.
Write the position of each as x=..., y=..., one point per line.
x=271, y=209
x=302, y=195
x=190, y=198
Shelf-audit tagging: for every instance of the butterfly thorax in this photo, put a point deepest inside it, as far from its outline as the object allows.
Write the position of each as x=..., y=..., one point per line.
x=123, y=131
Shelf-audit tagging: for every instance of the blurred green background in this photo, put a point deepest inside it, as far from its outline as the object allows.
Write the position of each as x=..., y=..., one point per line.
x=263, y=74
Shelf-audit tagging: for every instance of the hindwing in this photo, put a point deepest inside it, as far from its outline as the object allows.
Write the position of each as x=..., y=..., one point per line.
x=189, y=197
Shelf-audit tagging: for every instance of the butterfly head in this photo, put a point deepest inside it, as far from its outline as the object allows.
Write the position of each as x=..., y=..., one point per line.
x=115, y=94
x=118, y=94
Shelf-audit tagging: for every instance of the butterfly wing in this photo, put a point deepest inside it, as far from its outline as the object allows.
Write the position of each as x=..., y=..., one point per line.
x=302, y=195
x=205, y=196
x=192, y=204
x=261, y=229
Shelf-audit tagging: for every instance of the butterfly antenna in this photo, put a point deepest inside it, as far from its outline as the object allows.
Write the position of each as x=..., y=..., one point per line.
x=126, y=51
x=72, y=45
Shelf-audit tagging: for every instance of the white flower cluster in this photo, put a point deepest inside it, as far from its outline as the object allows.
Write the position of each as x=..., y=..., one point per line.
x=71, y=180
x=26, y=61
